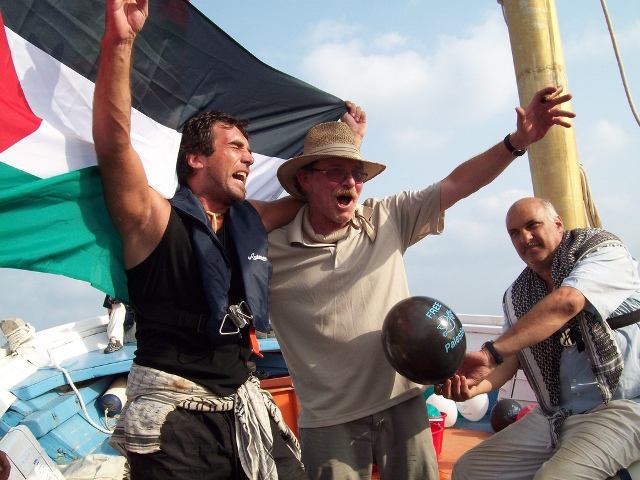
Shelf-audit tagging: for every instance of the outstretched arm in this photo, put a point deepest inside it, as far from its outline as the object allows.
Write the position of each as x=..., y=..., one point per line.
x=277, y=213
x=139, y=213
x=542, y=321
x=532, y=125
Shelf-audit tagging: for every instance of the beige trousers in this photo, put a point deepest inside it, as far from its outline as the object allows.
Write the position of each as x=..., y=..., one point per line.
x=592, y=446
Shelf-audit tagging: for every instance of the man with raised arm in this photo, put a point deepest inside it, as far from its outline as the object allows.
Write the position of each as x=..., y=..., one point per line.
x=338, y=270
x=198, y=277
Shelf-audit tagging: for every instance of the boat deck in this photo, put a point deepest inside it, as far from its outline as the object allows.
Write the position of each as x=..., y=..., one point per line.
x=457, y=441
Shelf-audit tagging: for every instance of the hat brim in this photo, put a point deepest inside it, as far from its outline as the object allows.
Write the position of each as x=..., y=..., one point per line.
x=288, y=170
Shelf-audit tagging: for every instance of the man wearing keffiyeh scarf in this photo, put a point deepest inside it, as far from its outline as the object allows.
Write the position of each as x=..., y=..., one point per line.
x=584, y=372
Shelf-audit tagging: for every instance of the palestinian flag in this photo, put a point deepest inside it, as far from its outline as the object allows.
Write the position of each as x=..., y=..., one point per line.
x=52, y=213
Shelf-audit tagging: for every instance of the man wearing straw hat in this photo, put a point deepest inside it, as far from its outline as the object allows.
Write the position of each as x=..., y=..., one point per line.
x=338, y=270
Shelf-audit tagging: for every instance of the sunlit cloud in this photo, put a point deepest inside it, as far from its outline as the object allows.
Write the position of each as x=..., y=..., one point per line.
x=390, y=41
x=362, y=62
x=498, y=204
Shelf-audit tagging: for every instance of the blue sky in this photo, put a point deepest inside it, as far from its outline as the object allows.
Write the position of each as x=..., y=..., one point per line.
x=437, y=82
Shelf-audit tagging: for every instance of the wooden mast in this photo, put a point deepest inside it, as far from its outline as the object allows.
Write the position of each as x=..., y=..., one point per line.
x=538, y=62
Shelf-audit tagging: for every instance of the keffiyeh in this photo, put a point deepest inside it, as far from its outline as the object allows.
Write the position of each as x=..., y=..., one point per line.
x=153, y=394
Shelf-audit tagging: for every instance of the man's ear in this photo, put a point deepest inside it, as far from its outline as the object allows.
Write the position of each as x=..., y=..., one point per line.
x=195, y=160
x=303, y=179
x=559, y=223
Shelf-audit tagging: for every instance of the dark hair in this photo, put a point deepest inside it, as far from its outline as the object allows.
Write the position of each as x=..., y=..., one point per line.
x=197, y=137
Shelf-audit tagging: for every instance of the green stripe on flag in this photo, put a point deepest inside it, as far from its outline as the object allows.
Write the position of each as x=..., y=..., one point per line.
x=61, y=225
x=11, y=176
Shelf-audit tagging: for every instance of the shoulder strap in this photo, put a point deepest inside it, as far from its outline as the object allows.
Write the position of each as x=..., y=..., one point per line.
x=624, y=320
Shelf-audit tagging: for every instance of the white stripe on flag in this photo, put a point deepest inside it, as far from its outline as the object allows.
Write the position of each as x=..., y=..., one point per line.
x=63, y=143
x=263, y=183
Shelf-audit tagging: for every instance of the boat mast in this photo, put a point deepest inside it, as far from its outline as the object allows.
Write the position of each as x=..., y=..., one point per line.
x=538, y=61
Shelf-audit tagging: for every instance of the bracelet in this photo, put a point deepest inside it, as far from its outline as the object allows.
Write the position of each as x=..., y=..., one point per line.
x=512, y=150
x=492, y=350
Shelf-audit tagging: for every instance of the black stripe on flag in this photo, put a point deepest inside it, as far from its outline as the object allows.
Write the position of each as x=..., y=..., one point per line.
x=183, y=64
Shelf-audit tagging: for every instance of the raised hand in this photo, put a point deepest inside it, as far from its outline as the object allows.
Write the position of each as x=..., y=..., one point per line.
x=125, y=18
x=540, y=115
x=356, y=120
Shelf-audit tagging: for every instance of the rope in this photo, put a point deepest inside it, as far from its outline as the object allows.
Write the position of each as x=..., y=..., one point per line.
x=73, y=387
x=619, y=60
x=25, y=333
x=19, y=336
x=106, y=421
x=593, y=217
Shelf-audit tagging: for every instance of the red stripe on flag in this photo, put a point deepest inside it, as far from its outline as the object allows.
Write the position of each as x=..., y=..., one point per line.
x=17, y=120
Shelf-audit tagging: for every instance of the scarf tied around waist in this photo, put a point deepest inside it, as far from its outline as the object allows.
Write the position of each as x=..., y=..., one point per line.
x=153, y=394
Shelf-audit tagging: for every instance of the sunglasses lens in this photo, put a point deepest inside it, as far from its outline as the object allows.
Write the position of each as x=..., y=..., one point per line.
x=339, y=175
x=359, y=176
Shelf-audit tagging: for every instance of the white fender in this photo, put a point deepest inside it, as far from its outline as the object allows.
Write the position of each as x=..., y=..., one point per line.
x=115, y=397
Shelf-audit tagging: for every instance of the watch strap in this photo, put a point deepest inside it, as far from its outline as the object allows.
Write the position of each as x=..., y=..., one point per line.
x=513, y=150
x=492, y=350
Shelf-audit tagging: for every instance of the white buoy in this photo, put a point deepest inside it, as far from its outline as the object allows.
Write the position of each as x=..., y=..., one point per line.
x=445, y=405
x=474, y=408
x=115, y=397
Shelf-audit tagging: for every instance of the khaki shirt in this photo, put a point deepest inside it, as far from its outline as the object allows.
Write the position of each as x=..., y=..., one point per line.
x=328, y=303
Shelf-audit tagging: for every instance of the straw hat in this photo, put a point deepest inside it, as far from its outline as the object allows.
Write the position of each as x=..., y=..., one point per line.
x=325, y=140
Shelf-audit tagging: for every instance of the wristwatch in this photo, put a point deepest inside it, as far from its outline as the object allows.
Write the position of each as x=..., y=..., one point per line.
x=492, y=350
x=513, y=150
